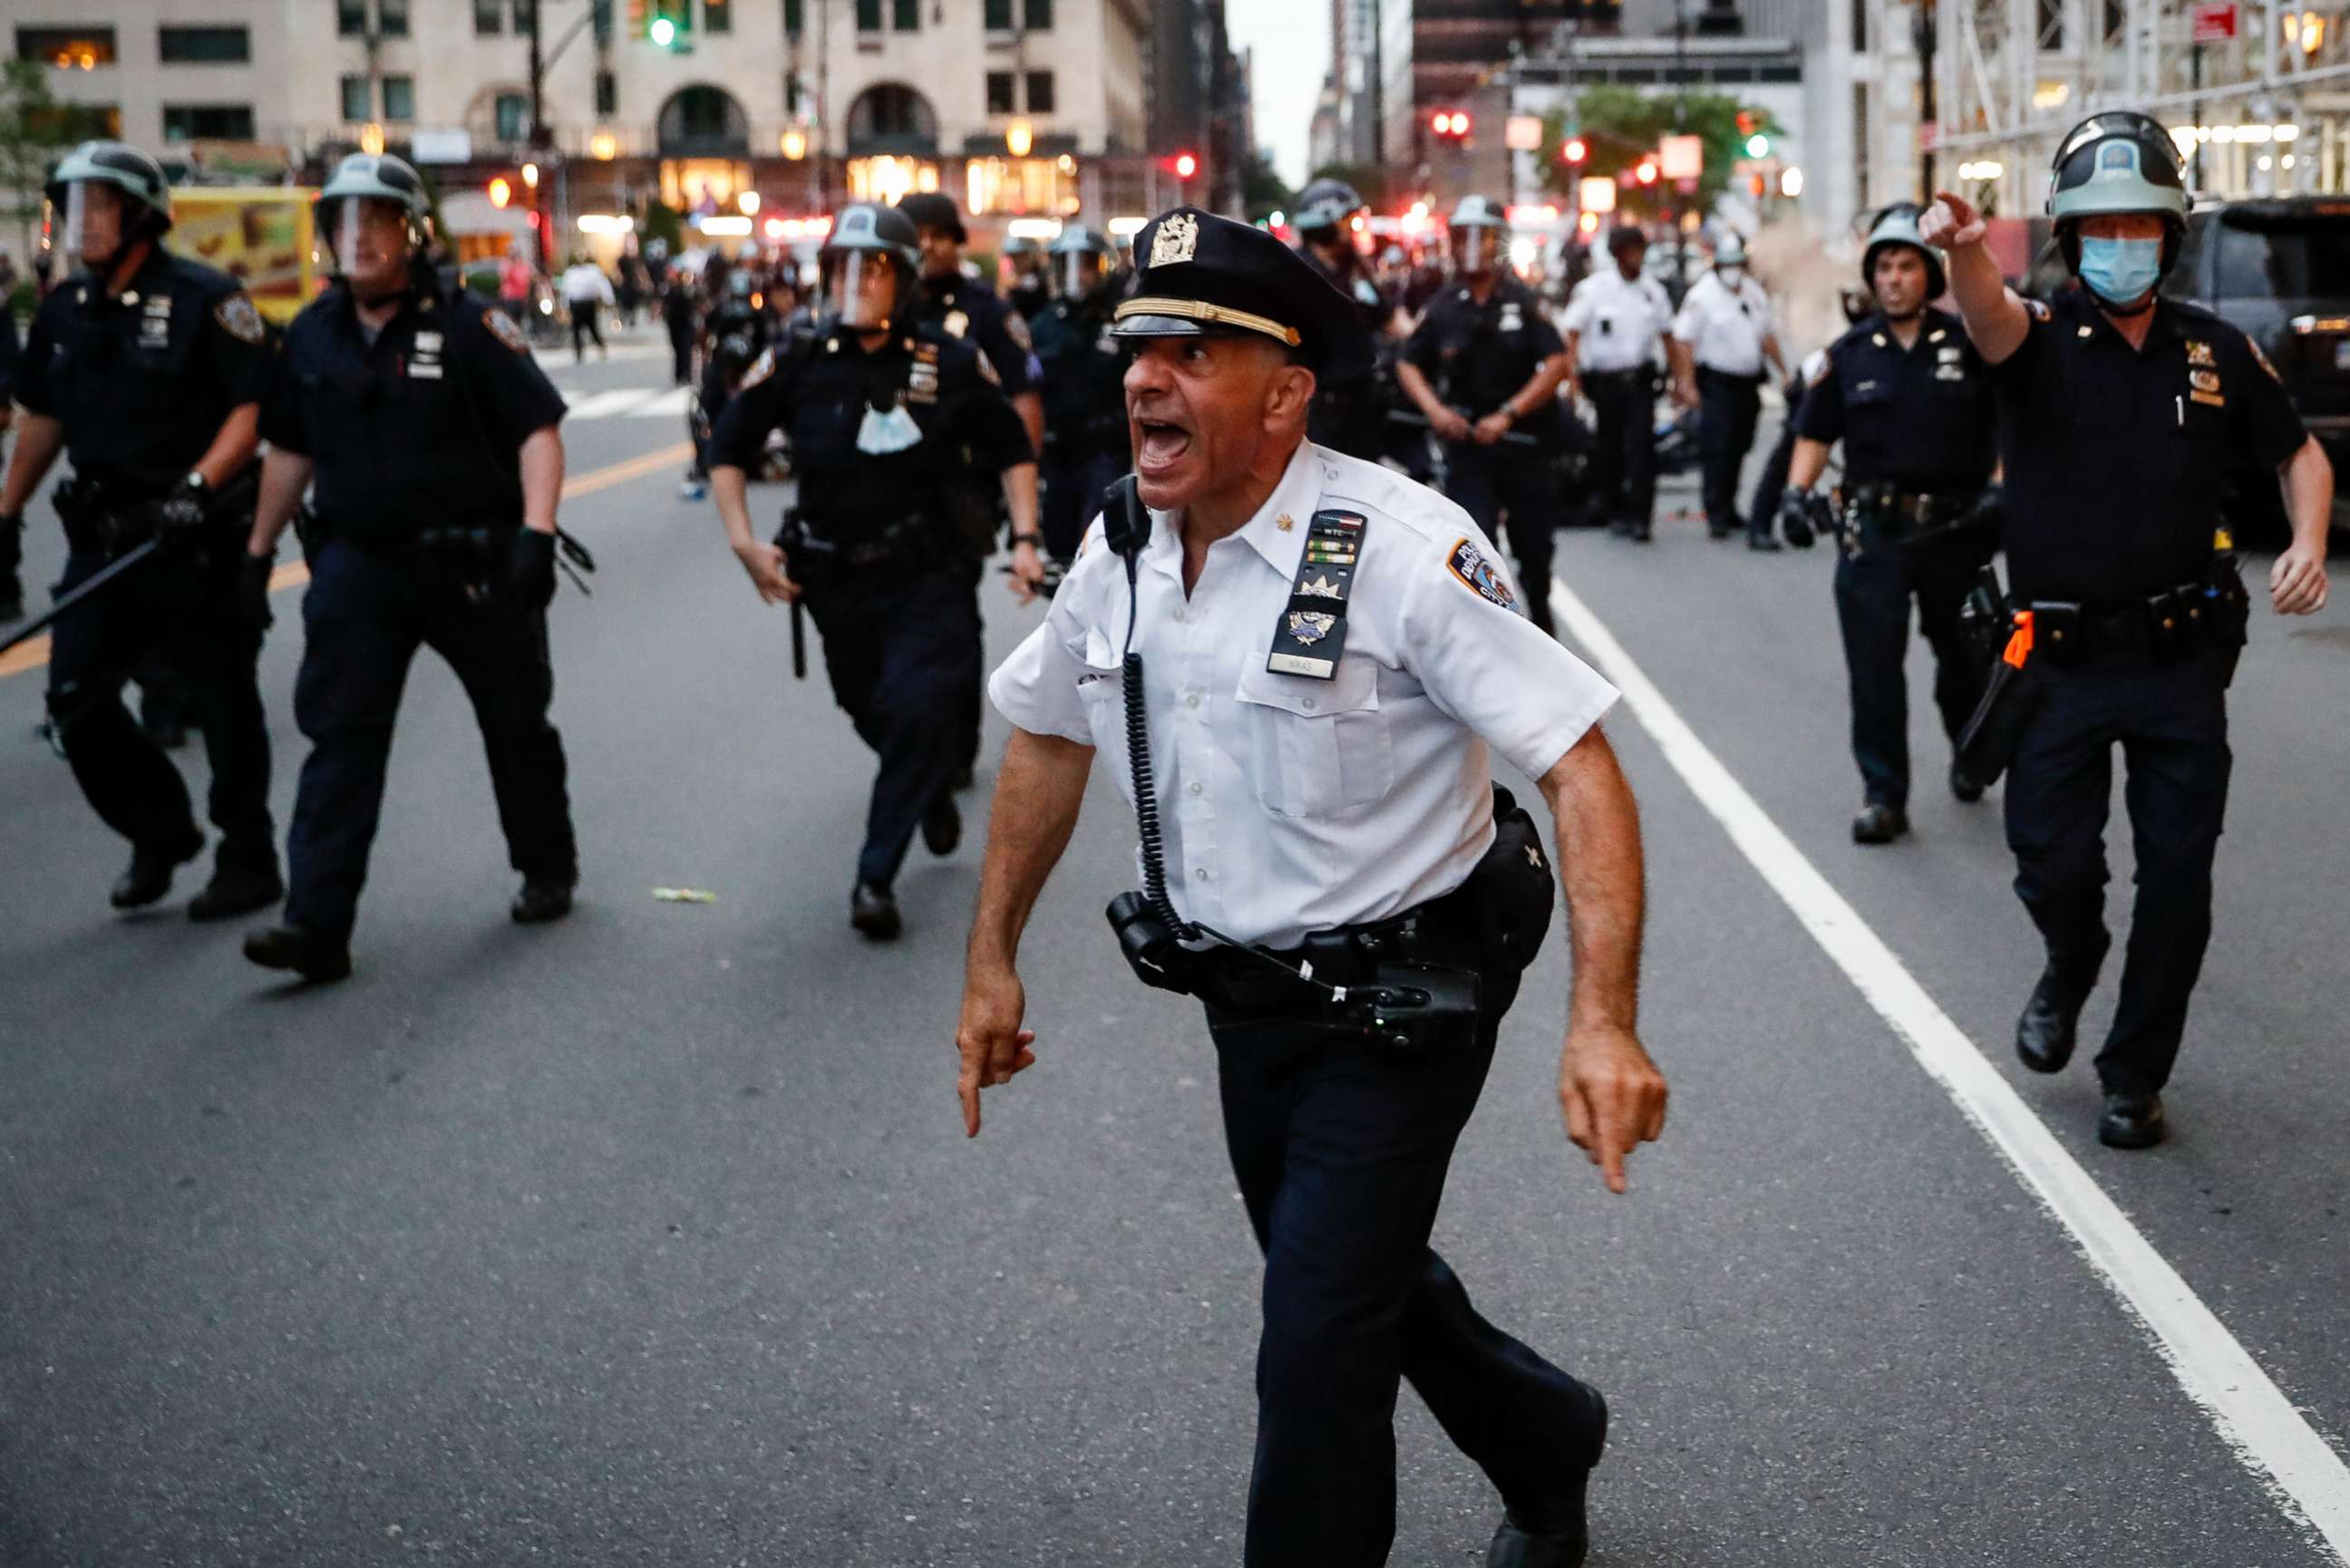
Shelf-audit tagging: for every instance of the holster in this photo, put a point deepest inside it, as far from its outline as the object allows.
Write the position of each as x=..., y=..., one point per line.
x=472, y=558
x=2012, y=694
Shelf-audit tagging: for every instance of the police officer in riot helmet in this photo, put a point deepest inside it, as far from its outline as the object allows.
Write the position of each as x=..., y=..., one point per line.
x=1349, y=413
x=146, y=369
x=1086, y=442
x=1912, y=402
x=880, y=411
x=1030, y=261
x=1484, y=364
x=429, y=432
x=2120, y=411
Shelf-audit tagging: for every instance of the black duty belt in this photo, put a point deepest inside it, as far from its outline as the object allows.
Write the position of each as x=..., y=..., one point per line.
x=1439, y=933
x=2162, y=628
x=1631, y=373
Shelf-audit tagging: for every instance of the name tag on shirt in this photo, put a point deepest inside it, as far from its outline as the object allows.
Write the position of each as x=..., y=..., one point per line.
x=424, y=356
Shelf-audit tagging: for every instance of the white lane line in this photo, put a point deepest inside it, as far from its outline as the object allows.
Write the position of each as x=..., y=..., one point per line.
x=672, y=402
x=604, y=405
x=2301, y=1473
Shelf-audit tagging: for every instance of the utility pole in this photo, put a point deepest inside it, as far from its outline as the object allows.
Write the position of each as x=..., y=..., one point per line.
x=1925, y=36
x=1681, y=124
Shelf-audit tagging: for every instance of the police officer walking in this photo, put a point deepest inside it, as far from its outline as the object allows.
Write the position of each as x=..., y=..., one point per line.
x=430, y=434
x=146, y=368
x=1484, y=366
x=875, y=403
x=1911, y=401
x=1617, y=348
x=11, y=523
x=2119, y=412
x=1724, y=328
x=1320, y=659
x=1085, y=410
x=1350, y=414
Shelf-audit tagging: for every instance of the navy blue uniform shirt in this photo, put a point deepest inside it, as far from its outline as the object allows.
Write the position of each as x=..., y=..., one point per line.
x=1477, y=357
x=821, y=387
x=2117, y=456
x=966, y=308
x=143, y=380
x=1922, y=418
x=1084, y=378
x=421, y=428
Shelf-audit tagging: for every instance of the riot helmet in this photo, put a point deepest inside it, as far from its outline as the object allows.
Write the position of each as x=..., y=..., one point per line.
x=1898, y=226
x=2114, y=162
x=1081, y=263
x=372, y=214
x=1323, y=209
x=1480, y=232
x=870, y=261
x=106, y=196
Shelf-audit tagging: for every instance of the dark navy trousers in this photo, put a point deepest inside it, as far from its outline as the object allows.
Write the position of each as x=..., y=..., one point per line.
x=1341, y=1151
x=2171, y=724
x=364, y=617
x=1872, y=596
x=1487, y=481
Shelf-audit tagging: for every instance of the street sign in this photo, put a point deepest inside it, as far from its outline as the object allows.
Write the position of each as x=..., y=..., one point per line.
x=2214, y=21
x=1682, y=157
x=1522, y=133
x=1597, y=193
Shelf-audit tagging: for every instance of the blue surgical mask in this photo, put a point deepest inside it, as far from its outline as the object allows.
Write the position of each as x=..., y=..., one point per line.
x=2121, y=271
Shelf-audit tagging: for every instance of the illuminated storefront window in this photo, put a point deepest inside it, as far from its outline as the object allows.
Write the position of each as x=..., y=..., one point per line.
x=703, y=185
x=1047, y=185
x=885, y=179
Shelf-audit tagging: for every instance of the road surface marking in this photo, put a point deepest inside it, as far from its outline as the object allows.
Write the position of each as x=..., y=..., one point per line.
x=603, y=405
x=2300, y=1470
x=672, y=402
x=34, y=655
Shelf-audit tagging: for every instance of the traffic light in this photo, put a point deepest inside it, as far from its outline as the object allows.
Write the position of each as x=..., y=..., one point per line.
x=1450, y=124
x=1186, y=165
x=671, y=25
x=1758, y=146
x=1647, y=172
x=1574, y=151
x=639, y=18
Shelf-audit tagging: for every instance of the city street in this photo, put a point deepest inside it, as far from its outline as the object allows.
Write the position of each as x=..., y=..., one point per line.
x=653, y=1236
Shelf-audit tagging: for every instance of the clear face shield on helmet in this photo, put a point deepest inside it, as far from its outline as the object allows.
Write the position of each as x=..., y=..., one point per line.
x=860, y=287
x=371, y=240
x=1081, y=274
x=90, y=227
x=1474, y=249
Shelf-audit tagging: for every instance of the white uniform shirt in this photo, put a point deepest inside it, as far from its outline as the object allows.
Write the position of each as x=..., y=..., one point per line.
x=1620, y=319
x=1290, y=804
x=586, y=281
x=1724, y=327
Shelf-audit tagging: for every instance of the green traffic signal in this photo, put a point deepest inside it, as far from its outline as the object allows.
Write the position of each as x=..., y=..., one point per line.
x=662, y=32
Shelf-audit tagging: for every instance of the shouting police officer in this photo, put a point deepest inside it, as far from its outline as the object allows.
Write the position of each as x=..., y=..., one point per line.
x=1085, y=413
x=2119, y=412
x=1350, y=413
x=1910, y=400
x=431, y=435
x=1319, y=657
x=1618, y=350
x=1484, y=366
x=146, y=368
x=874, y=403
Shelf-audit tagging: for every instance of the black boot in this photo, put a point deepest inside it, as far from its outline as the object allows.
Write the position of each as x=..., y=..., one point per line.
x=1558, y=1534
x=149, y=879
x=873, y=909
x=243, y=882
x=1879, y=823
x=1967, y=788
x=2131, y=1120
x=943, y=824
x=2043, y=1035
x=301, y=950
x=542, y=899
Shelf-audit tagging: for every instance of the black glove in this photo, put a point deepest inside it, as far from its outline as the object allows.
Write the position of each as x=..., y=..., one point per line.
x=1795, y=512
x=530, y=573
x=252, y=604
x=179, y=521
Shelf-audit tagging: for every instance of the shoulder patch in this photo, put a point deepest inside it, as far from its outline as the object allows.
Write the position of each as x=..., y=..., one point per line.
x=1017, y=330
x=761, y=368
x=502, y=328
x=2036, y=309
x=1820, y=371
x=239, y=319
x=2261, y=359
x=1468, y=563
x=987, y=370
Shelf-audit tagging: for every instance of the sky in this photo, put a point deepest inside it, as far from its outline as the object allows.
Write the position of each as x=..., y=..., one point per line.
x=1297, y=34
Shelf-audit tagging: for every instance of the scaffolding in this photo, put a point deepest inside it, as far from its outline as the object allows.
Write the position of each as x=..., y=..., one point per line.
x=2256, y=93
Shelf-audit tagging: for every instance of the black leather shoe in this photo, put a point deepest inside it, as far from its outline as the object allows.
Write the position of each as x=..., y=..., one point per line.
x=1643, y=533
x=1799, y=533
x=873, y=909
x=2043, y=1035
x=150, y=875
x=2131, y=1121
x=541, y=901
x=1561, y=1537
x=167, y=733
x=301, y=950
x=1879, y=823
x=240, y=885
x=1763, y=543
x=1965, y=785
x=942, y=825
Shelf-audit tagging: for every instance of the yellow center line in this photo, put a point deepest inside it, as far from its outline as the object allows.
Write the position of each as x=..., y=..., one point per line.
x=34, y=655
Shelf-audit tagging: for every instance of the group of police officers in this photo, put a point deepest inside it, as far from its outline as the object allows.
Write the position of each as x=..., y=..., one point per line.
x=1329, y=827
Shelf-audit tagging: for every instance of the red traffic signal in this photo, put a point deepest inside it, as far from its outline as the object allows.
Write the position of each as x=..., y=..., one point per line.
x=1449, y=123
x=1647, y=172
x=1574, y=151
x=1186, y=165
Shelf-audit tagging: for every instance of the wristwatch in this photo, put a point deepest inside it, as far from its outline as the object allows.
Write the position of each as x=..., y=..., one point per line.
x=1035, y=539
x=195, y=485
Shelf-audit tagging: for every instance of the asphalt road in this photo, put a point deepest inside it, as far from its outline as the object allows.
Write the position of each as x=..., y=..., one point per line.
x=651, y=1236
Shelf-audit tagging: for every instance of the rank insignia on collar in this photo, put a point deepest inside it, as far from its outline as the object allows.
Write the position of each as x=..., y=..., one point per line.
x=1284, y=522
x=1468, y=563
x=1177, y=239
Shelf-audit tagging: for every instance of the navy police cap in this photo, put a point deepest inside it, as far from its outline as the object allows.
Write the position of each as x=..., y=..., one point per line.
x=1202, y=275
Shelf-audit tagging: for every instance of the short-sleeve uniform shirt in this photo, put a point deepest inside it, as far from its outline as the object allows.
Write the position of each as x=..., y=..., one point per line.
x=1620, y=319
x=1724, y=324
x=1480, y=356
x=1290, y=805
x=2116, y=457
x=143, y=380
x=1922, y=418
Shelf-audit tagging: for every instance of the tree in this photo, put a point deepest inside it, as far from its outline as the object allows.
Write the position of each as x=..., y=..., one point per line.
x=1263, y=192
x=1620, y=124
x=35, y=130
